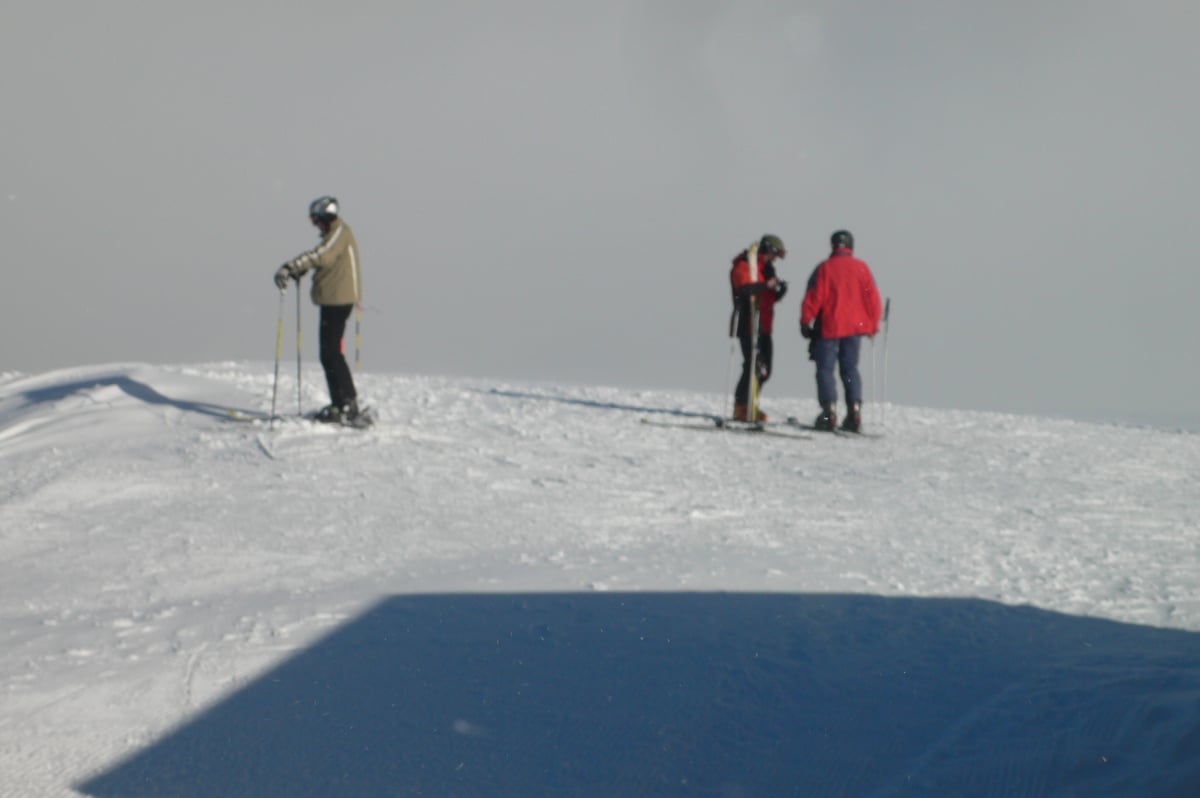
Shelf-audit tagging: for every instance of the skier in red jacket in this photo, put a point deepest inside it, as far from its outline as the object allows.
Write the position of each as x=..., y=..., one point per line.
x=762, y=282
x=841, y=305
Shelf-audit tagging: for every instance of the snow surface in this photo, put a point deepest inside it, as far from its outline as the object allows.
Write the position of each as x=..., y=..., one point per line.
x=522, y=590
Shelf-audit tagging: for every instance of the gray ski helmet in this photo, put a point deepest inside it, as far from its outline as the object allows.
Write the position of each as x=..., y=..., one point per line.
x=842, y=240
x=772, y=245
x=323, y=209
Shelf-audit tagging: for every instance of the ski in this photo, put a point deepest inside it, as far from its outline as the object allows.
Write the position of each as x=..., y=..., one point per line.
x=720, y=424
x=246, y=417
x=796, y=423
x=366, y=418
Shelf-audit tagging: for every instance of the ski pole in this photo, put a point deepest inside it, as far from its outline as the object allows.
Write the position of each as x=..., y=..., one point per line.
x=278, y=355
x=874, y=387
x=729, y=382
x=357, y=337
x=299, y=385
x=729, y=370
x=887, y=309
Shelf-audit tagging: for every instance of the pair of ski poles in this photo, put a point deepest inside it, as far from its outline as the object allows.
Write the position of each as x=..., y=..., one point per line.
x=279, y=355
x=299, y=349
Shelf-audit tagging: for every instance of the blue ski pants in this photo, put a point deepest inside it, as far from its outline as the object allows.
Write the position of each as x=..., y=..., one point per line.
x=843, y=353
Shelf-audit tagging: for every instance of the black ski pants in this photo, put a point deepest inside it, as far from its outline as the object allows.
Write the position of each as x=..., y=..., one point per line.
x=337, y=372
x=765, y=353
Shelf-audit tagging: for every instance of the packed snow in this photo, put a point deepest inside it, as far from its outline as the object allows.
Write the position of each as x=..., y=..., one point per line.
x=522, y=589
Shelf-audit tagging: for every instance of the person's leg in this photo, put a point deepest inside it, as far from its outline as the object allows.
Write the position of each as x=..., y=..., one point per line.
x=825, y=352
x=766, y=357
x=762, y=368
x=848, y=354
x=337, y=373
x=742, y=393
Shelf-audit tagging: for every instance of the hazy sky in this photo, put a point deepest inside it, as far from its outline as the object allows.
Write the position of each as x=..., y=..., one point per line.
x=554, y=190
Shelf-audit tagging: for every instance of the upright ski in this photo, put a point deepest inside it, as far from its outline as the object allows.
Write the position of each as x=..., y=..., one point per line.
x=752, y=403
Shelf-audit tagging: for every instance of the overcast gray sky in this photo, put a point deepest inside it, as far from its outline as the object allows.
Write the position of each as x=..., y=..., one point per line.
x=554, y=190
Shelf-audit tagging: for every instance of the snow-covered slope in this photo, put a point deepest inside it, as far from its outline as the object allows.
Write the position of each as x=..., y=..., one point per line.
x=522, y=590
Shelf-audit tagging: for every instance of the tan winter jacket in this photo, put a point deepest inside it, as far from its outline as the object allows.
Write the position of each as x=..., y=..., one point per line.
x=338, y=277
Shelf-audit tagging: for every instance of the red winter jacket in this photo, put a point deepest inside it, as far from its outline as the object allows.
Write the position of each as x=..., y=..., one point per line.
x=843, y=296
x=745, y=285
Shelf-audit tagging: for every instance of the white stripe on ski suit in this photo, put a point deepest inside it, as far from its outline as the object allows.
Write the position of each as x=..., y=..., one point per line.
x=324, y=245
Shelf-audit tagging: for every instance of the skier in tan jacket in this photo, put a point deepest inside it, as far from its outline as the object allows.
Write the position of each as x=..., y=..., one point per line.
x=336, y=289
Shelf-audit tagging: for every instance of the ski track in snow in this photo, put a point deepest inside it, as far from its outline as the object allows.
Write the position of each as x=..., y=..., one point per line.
x=157, y=556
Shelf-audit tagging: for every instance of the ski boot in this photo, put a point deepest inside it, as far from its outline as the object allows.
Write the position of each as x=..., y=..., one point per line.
x=333, y=414
x=741, y=413
x=329, y=414
x=853, y=420
x=827, y=421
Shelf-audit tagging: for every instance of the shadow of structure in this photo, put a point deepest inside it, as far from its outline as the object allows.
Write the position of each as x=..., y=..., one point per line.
x=643, y=694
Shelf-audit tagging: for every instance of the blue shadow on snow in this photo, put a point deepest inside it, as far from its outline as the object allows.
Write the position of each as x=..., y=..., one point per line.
x=598, y=405
x=721, y=694
x=137, y=390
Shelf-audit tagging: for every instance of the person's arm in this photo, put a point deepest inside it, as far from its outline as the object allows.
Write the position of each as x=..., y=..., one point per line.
x=814, y=299
x=321, y=256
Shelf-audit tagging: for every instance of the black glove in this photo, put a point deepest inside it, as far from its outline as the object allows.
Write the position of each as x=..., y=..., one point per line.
x=780, y=289
x=806, y=331
x=282, y=276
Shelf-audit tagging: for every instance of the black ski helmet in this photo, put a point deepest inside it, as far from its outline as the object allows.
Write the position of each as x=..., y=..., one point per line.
x=842, y=240
x=323, y=209
x=772, y=245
